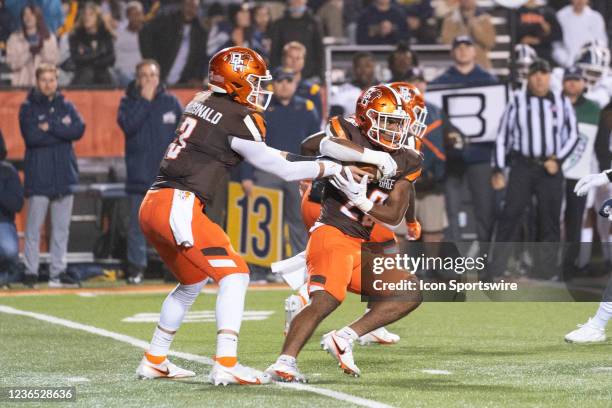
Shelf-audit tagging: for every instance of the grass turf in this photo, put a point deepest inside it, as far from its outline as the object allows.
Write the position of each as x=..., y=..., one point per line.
x=498, y=354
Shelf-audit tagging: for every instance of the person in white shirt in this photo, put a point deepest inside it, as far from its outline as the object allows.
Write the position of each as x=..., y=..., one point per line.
x=343, y=97
x=127, y=49
x=580, y=24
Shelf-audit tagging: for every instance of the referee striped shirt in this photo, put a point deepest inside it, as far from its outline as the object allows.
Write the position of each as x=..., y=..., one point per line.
x=536, y=128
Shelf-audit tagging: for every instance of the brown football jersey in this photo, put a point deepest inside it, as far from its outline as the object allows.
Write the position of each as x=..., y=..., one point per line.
x=336, y=210
x=201, y=155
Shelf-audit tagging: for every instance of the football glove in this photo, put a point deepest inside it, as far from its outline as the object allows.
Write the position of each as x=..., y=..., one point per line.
x=353, y=190
x=590, y=181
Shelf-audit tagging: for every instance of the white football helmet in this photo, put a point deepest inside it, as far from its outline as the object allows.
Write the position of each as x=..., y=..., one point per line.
x=594, y=60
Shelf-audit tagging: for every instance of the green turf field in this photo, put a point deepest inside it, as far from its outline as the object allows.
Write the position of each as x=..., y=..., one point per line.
x=486, y=354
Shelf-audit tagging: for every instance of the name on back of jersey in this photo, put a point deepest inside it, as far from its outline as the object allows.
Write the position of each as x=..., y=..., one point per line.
x=203, y=112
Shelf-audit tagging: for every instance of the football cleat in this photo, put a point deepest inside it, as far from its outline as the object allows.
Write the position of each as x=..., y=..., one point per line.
x=293, y=305
x=586, y=333
x=148, y=370
x=285, y=372
x=379, y=336
x=237, y=374
x=342, y=350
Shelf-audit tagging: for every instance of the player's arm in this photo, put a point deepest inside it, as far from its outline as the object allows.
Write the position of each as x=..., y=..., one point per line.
x=411, y=211
x=310, y=145
x=274, y=161
x=395, y=207
x=345, y=150
x=391, y=212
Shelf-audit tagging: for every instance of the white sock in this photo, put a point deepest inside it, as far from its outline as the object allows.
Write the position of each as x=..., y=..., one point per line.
x=160, y=343
x=172, y=313
x=230, y=301
x=347, y=333
x=603, y=315
x=284, y=358
x=227, y=345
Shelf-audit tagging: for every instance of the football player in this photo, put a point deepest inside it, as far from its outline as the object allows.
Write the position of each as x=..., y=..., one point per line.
x=594, y=61
x=524, y=55
x=349, y=210
x=594, y=330
x=219, y=128
x=294, y=270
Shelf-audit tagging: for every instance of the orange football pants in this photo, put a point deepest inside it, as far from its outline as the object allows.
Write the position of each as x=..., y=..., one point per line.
x=212, y=254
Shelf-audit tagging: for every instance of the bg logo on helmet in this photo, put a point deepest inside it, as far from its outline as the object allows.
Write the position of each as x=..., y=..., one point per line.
x=369, y=95
x=237, y=62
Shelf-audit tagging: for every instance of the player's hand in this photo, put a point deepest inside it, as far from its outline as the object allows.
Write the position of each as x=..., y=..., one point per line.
x=353, y=190
x=382, y=160
x=414, y=230
x=590, y=181
x=44, y=126
x=329, y=168
x=357, y=172
x=606, y=209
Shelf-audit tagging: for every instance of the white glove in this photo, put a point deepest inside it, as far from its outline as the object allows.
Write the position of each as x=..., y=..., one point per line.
x=330, y=168
x=354, y=191
x=382, y=160
x=590, y=181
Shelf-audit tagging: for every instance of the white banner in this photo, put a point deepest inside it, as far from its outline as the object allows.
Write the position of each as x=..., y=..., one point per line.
x=475, y=112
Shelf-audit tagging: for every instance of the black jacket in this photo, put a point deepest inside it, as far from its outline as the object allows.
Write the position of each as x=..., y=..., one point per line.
x=306, y=30
x=149, y=128
x=160, y=40
x=93, y=55
x=50, y=164
x=11, y=192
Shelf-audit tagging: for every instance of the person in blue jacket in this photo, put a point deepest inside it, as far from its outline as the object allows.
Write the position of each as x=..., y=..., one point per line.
x=11, y=201
x=49, y=125
x=148, y=116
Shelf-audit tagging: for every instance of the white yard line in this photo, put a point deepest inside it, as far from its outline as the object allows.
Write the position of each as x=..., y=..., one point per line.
x=185, y=356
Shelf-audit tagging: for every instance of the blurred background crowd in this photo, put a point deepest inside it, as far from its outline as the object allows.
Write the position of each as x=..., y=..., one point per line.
x=322, y=54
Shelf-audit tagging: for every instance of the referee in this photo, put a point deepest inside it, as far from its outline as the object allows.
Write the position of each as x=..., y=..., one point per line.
x=537, y=132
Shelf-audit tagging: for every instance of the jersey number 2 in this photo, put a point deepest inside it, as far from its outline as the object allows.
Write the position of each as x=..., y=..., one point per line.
x=185, y=129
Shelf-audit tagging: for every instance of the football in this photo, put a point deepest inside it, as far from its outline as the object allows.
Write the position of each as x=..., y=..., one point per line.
x=373, y=171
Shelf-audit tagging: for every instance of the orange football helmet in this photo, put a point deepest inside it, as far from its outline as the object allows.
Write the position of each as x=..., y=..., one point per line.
x=414, y=105
x=240, y=73
x=380, y=115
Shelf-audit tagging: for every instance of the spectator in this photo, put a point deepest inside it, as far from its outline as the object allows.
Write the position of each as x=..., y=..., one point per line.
x=469, y=163
x=91, y=48
x=469, y=19
x=148, y=116
x=289, y=120
x=382, y=23
x=6, y=25
x=51, y=11
x=580, y=25
x=401, y=61
x=127, y=49
x=465, y=69
x=420, y=21
x=331, y=16
x=578, y=164
x=429, y=187
x=49, y=125
x=538, y=131
x=299, y=25
x=343, y=97
x=539, y=28
x=11, y=201
x=294, y=57
x=219, y=29
x=176, y=41
x=260, y=16
x=29, y=47
x=241, y=28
